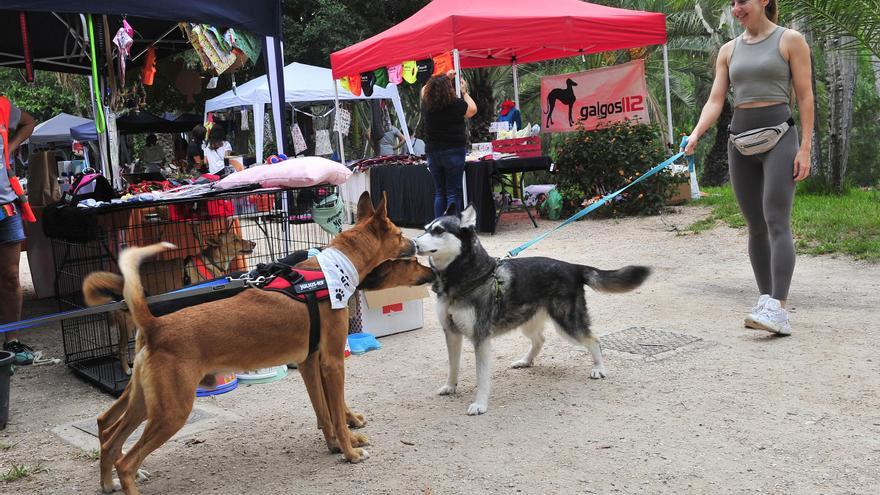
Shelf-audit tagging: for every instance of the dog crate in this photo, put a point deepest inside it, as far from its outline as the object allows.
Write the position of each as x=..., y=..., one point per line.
x=214, y=236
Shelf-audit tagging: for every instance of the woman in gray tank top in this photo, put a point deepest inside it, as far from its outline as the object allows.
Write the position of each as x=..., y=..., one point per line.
x=761, y=66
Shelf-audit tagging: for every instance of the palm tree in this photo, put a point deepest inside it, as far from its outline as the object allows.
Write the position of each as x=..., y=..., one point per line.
x=845, y=28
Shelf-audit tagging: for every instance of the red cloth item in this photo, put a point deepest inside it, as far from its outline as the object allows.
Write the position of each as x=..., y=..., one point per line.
x=507, y=106
x=149, y=70
x=483, y=30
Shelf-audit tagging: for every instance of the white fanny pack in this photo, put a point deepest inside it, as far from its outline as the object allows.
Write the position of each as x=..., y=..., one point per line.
x=760, y=140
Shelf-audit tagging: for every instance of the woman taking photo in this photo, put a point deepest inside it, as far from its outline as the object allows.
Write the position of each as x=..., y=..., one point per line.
x=444, y=115
x=762, y=66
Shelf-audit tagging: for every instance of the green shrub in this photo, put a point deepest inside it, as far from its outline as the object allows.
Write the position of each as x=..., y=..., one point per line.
x=591, y=164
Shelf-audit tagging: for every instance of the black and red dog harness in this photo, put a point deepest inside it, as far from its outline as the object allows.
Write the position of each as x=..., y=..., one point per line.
x=307, y=286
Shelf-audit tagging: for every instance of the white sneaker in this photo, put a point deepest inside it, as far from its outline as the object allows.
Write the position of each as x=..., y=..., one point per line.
x=753, y=314
x=773, y=318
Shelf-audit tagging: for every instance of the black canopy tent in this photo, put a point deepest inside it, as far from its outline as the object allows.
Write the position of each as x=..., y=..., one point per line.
x=57, y=36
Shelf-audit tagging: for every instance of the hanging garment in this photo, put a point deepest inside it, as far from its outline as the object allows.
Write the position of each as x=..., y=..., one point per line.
x=218, y=59
x=322, y=143
x=249, y=44
x=443, y=64
x=342, y=123
x=123, y=41
x=149, y=70
x=367, y=80
x=354, y=85
x=425, y=69
x=299, y=142
x=410, y=71
x=380, y=77
x=395, y=74
x=193, y=38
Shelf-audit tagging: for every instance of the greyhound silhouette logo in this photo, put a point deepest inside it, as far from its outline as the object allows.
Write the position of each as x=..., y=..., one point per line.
x=563, y=96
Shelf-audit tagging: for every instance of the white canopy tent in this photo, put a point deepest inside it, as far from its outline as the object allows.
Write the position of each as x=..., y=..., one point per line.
x=56, y=129
x=302, y=84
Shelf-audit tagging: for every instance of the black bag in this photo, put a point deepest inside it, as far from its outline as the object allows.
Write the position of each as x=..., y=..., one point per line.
x=65, y=221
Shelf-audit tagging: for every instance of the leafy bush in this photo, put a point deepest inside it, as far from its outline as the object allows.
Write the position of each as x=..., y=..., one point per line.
x=595, y=163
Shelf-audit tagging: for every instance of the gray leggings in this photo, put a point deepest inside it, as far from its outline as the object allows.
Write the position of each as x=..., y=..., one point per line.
x=764, y=188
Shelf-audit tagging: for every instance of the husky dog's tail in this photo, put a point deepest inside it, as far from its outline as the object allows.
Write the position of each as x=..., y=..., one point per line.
x=102, y=288
x=129, y=264
x=622, y=280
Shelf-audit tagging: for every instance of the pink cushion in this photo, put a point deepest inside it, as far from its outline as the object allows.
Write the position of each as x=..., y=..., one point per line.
x=295, y=172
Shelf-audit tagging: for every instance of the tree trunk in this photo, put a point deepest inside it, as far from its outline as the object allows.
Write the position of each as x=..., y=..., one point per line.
x=816, y=165
x=875, y=64
x=715, y=168
x=841, y=79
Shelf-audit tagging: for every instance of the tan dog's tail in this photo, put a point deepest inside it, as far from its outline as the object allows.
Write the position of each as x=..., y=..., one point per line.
x=129, y=264
x=622, y=280
x=102, y=288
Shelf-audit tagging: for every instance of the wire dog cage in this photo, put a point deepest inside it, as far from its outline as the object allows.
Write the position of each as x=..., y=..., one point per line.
x=214, y=236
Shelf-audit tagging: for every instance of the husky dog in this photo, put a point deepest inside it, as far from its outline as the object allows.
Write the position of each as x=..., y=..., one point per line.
x=479, y=297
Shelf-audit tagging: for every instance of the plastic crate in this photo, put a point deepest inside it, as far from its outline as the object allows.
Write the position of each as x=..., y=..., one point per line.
x=524, y=147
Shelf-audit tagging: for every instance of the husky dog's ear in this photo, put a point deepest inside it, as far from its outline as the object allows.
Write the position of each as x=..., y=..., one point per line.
x=365, y=206
x=382, y=210
x=469, y=217
x=451, y=210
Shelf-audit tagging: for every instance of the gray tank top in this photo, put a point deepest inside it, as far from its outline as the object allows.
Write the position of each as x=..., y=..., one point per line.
x=758, y=72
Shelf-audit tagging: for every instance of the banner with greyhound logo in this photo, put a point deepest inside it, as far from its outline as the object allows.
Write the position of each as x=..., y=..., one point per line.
x=595, y=97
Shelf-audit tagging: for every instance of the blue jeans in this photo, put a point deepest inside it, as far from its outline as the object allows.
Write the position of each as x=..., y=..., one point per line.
x=447, y=169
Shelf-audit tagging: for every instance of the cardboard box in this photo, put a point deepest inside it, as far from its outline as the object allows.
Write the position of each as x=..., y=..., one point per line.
x=389, y=311
x=681, y=194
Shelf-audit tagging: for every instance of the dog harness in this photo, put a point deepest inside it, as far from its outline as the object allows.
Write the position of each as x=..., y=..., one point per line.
x=306, y=286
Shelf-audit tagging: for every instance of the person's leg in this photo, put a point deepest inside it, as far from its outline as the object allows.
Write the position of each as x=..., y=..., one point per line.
x=454, y=174
x=747, y=180
x=438, y=173
x=779, y=188
x=11, y=235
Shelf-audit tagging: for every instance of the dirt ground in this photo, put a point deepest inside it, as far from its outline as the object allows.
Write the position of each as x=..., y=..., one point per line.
x=740, y=411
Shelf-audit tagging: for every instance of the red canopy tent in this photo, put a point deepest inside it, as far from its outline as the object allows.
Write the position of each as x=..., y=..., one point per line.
x=483, y=33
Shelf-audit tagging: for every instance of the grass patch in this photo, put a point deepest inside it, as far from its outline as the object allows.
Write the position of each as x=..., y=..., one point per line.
x=93, y=454
x=18, y=472
x=822, y=224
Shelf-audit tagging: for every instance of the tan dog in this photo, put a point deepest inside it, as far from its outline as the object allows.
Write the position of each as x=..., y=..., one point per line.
x=105, y=287
x=100, y=288
x=259, y=329
x=216, y=257
x=212, y=263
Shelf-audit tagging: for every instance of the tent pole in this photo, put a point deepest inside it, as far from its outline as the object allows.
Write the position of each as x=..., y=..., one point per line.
x=515, y=83
x=457, y=66
x=668, y=97
x=338, y=130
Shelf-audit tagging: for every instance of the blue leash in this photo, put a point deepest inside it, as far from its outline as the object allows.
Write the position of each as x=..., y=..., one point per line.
x=606, y=198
